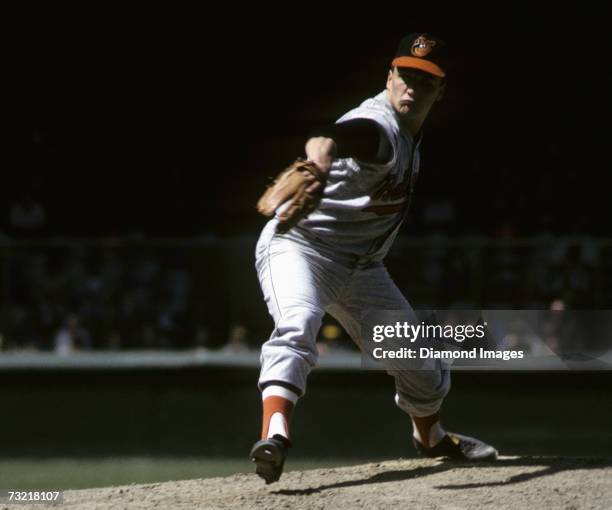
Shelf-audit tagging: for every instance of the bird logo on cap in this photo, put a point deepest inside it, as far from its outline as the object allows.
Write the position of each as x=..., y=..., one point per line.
x=422, y=46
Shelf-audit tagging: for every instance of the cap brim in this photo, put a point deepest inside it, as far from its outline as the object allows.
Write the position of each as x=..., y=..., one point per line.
x=419, y=63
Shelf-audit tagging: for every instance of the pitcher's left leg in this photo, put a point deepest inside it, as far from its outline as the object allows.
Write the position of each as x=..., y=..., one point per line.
x=420, y=389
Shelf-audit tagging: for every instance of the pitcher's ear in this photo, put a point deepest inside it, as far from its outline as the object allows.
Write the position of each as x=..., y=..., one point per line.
x=389, y=76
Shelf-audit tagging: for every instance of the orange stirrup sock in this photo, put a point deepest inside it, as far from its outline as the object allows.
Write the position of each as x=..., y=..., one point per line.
x=427, y=429
x=278, y=403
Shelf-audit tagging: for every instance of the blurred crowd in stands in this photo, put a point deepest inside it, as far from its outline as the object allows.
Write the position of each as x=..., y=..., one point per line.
x=65, y=297
x=126, y=292
x=70, y=297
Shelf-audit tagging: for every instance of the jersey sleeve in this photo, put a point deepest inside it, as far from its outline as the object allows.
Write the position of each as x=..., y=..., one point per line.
x=362, y=139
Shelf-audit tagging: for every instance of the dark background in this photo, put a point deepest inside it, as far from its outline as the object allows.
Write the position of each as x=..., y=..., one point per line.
x=169, y=123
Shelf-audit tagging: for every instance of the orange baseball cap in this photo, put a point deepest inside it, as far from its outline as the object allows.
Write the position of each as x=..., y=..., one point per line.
x=421, y=51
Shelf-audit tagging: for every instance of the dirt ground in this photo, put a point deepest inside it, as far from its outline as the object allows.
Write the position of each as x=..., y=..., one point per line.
x=511, y=482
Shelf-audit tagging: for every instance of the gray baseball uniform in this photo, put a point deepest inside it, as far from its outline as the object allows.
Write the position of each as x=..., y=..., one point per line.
x=332, y=262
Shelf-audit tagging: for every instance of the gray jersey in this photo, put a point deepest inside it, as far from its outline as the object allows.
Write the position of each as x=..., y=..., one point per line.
x=364, y=204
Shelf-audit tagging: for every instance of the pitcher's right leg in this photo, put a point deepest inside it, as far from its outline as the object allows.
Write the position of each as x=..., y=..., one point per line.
x=297, y=283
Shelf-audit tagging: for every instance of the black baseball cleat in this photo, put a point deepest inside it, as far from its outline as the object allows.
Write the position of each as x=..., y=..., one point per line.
x=269, y=457
x=458, y=447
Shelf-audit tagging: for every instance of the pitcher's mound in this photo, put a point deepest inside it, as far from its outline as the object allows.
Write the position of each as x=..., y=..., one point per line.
x=510, y=482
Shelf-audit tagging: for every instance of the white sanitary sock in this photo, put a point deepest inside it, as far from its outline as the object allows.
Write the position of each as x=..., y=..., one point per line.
x=278, y=425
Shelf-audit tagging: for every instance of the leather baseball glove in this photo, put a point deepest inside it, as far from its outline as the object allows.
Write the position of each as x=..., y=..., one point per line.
x=294, y=194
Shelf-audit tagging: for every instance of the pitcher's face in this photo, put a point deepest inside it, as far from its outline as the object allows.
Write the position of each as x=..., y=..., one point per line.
x=413, y=92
